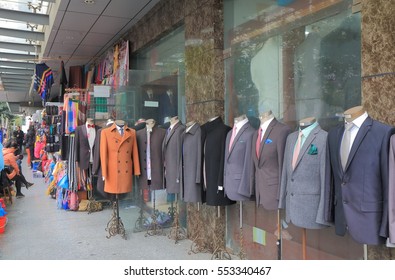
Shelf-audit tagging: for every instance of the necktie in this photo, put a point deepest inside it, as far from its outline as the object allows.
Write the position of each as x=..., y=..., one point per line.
x=297, y=150
x=232, y=138
x=345, y=145
x=121, y=131
x=258, y=142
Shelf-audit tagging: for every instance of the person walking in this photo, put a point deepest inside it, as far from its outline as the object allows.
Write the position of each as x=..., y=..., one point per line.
x=19, y=136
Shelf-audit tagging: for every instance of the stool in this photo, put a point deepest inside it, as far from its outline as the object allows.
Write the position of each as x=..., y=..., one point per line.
x=7, y=195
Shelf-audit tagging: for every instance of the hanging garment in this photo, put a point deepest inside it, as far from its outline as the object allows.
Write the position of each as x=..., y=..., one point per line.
x=43, y=80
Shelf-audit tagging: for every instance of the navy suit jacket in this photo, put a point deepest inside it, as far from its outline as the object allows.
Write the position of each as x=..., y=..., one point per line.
x=358, y=196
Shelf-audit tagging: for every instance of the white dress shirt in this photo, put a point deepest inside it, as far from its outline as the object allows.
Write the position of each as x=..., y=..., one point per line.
x=240, y=124
x=265, y=125
x=357, y=125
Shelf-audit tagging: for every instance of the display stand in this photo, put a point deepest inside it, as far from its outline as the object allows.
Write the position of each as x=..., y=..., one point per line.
x=177, y=232
x=198, y=240
x=279, y=249
x=220, y=252
x=242, y=254
x=304, y=246
x=115, y=225
x=139, y=225
x=154, y=228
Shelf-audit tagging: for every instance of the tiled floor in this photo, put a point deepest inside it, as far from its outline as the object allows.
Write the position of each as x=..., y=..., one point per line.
x=37, y=230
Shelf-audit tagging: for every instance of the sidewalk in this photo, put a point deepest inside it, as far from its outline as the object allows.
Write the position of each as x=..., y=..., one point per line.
x=37, y=230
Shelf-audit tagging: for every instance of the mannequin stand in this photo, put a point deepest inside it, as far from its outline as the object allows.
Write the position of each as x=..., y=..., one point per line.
x=242, y=254
x=154, y=228
x=304, y=249
x=220, y=252
x=177, y=233
x=139, y=224
x=198, y=241
x=115, y=225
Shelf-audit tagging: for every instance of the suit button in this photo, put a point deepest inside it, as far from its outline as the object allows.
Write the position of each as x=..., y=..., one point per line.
x=126, y=171
x=292, y=194
x=145, y=160
x=145, y=168
x=145, y=142
x=119, y=171
x=126, y=161
x=343, y=183
x=119, y=161
x=345, y=201
x=292, y=180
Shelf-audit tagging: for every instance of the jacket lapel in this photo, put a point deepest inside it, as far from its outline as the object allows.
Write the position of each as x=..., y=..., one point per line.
x=114, y=132
x=264, y=139
x=167, y=138
x=238, y=135
x=307, y=143
x=363, y=130
x=127, y=133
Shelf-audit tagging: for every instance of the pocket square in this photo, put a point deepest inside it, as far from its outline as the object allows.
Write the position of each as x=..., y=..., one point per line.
x=268, y=141
x=313, y=150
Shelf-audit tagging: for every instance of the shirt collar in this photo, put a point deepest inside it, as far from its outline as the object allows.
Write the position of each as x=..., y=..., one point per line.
x=266, y=123
x=241, y=123
x=306, y=131
x=359, y=121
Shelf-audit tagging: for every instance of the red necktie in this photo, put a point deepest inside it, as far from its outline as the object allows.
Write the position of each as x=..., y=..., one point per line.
x=258, y=143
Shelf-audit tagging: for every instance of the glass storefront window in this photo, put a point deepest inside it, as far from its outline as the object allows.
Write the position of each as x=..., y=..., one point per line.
x=298, y=59
x=155, y=90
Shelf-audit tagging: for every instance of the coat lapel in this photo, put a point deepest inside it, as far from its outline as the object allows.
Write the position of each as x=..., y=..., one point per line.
x=126, y=134
x=114, y=132
x=363, y=130
x=167, y=138
x=238, y=135
x=307, y=143
x=264, y=139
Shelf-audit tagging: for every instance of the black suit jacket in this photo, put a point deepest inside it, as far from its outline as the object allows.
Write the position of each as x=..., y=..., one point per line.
x=358, y=197
x=213, y=141
x=82, y=149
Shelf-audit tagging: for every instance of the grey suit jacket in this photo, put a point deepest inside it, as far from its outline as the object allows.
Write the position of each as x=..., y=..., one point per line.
x=391, y=192
x=157, y=136
x=192, y=164
x=302, y=190
x=172, y=152
x=238, y=165
x=268, y=168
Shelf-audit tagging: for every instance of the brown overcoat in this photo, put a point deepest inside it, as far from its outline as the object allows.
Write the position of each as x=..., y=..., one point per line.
x=119, y=159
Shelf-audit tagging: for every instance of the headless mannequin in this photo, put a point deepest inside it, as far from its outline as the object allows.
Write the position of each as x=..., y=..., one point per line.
x=120, y=123
x=174, y=120
x=240, y=118
x=306, y=122
x=150, y=124
x=353, y=113
x=189, y=125
x=265, y=116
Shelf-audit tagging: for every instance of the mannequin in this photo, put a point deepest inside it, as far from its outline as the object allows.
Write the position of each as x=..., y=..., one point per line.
x=353, y=113
x=364, y=215
x=168, y=105
x=150, y=123
x=192, y=162
x=172, y=148
x=84, y=139
x=150, y=104
x=269, y=141
x=238, y=164
x=306, y=122
x=265, y=116
x=96, y=167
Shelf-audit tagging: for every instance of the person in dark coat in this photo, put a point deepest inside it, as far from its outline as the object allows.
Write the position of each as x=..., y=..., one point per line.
x=29, y=143
x=19, y=136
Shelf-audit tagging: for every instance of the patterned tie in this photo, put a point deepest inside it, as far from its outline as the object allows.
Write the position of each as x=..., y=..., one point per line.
x=258, y=143
x=345, y=145
x=297, y=150
x=232, y=138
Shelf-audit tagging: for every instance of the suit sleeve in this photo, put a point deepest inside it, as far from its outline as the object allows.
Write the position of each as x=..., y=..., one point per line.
x=245, y=182
x=199, y=159
x=329, y=187
x=384, y=179
x=135, y=156
x=222, y=160
x=284, y=177
x=104, y=154
x=280, y=154
x=324, y=163
x=391, y=190
x=96, y=153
